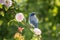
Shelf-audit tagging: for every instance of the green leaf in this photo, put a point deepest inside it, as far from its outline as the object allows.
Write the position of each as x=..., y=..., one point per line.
x=1, y=22
x=54, y=27
x=0, y=5
x=6, y=8
x=2, y=13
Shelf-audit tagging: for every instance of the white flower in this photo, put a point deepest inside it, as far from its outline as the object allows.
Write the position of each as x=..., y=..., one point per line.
x=8, y=3
x=1, y=1
x=37, y=31
x=19, y=17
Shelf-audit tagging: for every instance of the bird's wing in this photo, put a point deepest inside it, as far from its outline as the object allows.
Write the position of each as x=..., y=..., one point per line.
x=34, y=24
x=34, y=18
x=33, y=21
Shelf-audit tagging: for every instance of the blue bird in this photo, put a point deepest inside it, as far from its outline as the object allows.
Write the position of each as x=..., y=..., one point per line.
x=33, y=21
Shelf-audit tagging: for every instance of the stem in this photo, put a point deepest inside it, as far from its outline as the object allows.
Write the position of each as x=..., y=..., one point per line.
x=27, y=25
x=18, y=7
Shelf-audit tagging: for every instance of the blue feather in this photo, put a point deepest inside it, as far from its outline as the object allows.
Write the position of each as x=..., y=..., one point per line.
x=33, y=20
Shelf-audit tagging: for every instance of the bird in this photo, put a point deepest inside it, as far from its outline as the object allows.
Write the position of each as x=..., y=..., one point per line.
x=33, y=20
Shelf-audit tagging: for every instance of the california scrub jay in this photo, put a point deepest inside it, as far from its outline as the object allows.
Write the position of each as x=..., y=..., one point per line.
x=33, y=20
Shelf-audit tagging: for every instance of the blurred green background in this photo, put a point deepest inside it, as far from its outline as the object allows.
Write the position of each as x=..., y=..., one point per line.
x=47, y=11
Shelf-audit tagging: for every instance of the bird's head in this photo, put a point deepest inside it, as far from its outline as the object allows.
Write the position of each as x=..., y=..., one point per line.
x=32, y=14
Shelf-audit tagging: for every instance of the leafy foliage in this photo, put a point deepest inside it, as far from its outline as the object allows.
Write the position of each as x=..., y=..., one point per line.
x=47, y=11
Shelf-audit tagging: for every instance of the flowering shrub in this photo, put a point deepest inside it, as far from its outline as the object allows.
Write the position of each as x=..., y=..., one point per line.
x=13, y=13
x=1, y=1
x=18, y=36
x=20, y=29
x=37, y=31
x=8, y=3
x=19, y=17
